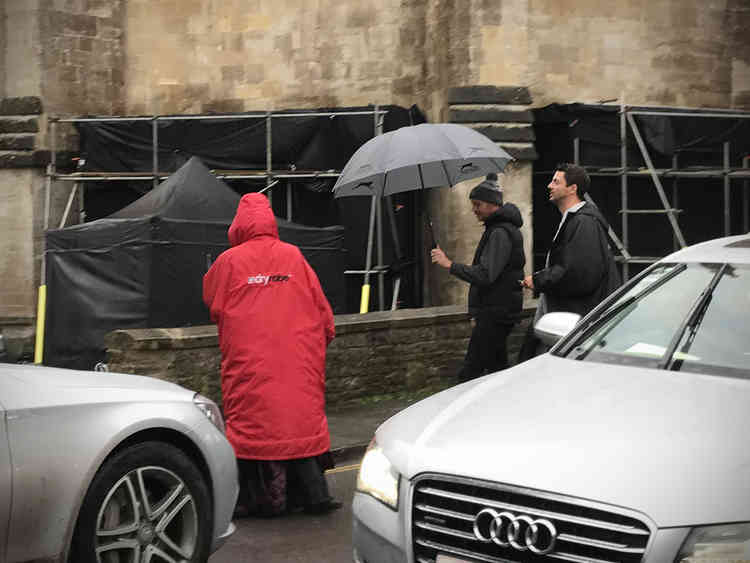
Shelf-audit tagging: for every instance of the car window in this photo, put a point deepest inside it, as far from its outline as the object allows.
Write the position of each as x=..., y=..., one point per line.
x=720, y=342
x=639, y=326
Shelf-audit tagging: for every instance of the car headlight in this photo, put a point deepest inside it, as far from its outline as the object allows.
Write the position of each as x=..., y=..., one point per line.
x=717, y=544
x=377, y=477
x=211, y=410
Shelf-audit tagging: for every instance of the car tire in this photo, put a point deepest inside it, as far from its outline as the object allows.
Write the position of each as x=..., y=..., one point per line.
x=148, y=502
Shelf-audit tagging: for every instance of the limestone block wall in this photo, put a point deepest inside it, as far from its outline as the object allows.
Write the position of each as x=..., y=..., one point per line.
x=671, y=52
x=82, y=56
x=414, y=350
x=197, y=56
x=21, y=73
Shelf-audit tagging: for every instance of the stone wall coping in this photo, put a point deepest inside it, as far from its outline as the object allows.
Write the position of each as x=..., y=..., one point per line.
x=207, y=335
x=403, y=318
x=163, y=338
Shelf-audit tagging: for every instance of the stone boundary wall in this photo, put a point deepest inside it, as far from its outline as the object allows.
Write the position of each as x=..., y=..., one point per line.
x=410, y=350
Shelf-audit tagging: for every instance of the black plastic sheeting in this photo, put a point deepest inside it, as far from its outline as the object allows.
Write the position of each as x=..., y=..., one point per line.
x=695, y=143
x=304, y=143
x=143, y=267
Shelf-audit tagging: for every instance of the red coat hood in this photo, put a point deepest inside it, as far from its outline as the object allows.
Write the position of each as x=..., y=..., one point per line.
x=254, y=218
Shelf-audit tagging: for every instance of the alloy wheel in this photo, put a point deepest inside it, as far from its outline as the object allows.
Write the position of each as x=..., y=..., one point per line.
x=148, y=516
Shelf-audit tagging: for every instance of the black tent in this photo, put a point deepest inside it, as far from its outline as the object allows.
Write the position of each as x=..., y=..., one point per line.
x=143, y=266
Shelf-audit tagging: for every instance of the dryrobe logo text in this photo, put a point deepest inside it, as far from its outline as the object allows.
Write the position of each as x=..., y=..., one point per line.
x=262, y=279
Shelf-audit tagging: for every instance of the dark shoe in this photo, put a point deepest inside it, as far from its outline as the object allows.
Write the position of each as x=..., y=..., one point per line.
x=241, y=511
x=324, y=507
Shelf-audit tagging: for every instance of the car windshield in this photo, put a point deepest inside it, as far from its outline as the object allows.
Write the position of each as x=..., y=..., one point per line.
x=683, y=317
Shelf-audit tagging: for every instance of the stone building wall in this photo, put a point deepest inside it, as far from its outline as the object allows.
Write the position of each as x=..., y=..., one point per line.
x=177, y=56
x=198, y=56
x=670, y=52
x=412, y=350
x=82, y=56
x=21, y=73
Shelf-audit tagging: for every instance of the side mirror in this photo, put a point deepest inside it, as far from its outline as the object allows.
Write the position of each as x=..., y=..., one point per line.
x=553, y=326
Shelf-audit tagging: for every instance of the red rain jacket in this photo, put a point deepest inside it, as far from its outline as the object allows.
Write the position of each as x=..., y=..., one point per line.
x=274, y=326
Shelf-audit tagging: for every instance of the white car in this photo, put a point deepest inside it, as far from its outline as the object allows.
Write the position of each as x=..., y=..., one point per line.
x=627, y=442
x=110, y=468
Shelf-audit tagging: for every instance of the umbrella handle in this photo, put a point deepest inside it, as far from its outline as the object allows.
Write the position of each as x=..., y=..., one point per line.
x=433, y=241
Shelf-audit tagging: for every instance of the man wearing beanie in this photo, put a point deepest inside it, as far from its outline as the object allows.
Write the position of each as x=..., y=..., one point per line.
x=495, y=295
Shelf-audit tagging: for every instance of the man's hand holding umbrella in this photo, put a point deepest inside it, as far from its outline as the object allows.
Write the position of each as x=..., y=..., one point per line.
x=439, y=258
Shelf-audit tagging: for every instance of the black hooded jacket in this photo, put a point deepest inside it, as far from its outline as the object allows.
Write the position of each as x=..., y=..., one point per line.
x=497, y=267
x=581, y=270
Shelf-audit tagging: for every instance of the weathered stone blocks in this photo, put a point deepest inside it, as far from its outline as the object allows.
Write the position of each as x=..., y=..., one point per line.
x=513, y=95
x=27, y=105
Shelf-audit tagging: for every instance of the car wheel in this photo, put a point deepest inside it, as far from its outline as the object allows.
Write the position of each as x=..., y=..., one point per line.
x=147, y=504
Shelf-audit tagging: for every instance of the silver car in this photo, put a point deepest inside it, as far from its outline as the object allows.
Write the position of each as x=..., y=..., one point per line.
x=627, y=442
x=110, y=468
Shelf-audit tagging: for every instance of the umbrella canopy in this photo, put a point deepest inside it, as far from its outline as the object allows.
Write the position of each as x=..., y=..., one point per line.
x=429, y=155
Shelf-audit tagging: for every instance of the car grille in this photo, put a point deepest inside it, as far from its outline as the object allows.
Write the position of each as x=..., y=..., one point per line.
x=443, y=521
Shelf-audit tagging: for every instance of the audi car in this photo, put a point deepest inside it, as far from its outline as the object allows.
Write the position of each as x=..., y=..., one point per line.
x=626, y=442
x=110, y=468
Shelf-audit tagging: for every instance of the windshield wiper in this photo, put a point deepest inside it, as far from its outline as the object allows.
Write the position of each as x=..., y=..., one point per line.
x=692, y=321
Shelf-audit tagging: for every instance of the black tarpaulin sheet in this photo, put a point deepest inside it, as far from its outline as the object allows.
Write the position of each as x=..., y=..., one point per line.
x=138, y=272
x=697, y=141
x=305, y=142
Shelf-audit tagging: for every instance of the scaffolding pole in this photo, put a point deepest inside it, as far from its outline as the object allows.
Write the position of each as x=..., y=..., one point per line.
x=155, y=152
x=269, y=153
x=724, y=172
x=270, y=176
x=657, y=182
x=624, y=187
x=727, y=192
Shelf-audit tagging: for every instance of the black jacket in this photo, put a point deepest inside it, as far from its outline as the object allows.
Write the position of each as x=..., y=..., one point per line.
x=497, y=267
x=581, y=270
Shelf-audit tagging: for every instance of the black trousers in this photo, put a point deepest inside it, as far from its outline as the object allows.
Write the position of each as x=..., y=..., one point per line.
x=488, y=349
x=271, y=488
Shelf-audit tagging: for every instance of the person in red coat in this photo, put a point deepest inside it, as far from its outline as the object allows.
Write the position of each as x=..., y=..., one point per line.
x=274, y=325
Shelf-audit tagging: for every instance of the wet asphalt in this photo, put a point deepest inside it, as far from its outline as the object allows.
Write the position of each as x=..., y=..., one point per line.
x=298, y=538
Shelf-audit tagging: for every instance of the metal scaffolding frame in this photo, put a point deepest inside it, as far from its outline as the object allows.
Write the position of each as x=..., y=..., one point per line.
x=624, y=171
x=271, y=177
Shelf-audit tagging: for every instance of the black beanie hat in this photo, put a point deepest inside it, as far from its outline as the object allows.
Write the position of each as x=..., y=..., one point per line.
x=488, y=190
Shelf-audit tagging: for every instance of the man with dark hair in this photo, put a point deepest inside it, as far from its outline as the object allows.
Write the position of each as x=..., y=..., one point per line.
x=580, y=270
x=495, y=296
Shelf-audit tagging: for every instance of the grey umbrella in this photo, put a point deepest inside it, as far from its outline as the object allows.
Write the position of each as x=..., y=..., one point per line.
x=429, y=155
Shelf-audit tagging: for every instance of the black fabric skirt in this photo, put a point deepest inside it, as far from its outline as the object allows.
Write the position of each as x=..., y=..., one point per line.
x=272, y=488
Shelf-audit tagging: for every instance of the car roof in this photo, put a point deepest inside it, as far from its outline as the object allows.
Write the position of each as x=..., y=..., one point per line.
x=733, y=250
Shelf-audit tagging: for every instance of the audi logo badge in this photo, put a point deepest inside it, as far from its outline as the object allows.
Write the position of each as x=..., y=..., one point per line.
x=519, y=532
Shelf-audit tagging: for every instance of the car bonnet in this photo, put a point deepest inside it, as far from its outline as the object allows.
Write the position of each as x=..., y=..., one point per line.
x=671, y=445
x=31, y=386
